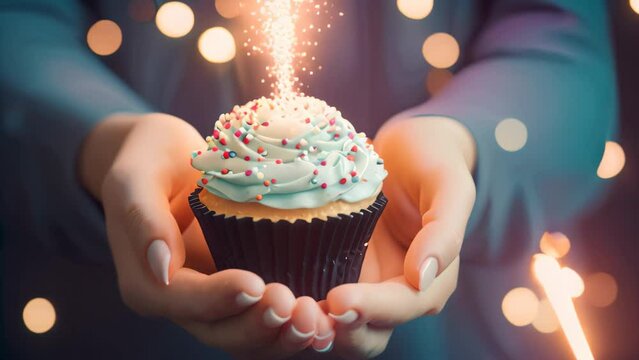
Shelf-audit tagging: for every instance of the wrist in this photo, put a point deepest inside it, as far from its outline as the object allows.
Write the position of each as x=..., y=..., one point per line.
x=101, y=147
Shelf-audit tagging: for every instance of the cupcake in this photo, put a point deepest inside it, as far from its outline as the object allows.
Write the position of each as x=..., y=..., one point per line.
x=289, y=191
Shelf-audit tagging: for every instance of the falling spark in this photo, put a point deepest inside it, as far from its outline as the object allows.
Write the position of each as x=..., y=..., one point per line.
x=547, y=270
x=280, y=18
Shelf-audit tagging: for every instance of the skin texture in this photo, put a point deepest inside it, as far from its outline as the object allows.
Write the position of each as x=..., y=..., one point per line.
x=135, y=165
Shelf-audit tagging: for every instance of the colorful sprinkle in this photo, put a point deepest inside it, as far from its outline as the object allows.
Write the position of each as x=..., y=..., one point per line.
x=350, y=157
x=214, y=149
x=267, y=183
x=298, y=146
x=323, y=163
x=246, y=140
x=227, y=125
x=232, y=154
x=247, y=158
x=332, y=121
x=307, y=120
x=273, y=181
x=354, y=148
x=315, y=172
x=259, y=197
x=324, y=185
x=199, y=152
x=260, y=175
x=380, y=161
x=342, y=181
x=284, y=141
x=351, y=135
x=248, y=172
x=355, y=179
x=260, y=149
x=278, y=161
x=238, y=133
x=223, y=141
x=336, y=136
x=225, y=171
x=216, y=134
x=225, y=155
x=313, y=181
x=353, y=173
x=265, y=123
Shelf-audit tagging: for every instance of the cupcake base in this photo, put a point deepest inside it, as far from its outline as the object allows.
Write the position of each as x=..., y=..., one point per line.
x=309, y=257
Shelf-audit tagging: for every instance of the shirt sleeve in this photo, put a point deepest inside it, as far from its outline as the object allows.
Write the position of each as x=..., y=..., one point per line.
x=547, y=64
x=54, y=90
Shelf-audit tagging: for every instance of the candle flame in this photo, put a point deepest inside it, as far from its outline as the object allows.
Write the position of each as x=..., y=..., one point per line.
x=548, y=272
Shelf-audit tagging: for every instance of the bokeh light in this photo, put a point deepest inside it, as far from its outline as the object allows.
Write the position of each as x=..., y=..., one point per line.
x=437, y=79
x=104, y=37
x=217, y=45
x=546, y=320
x=415, y=9
x=634, y=5
x=554, y=244
x=572, y=281
x=228, y=8
x=142, y=10
x=511, y=134
x=174, y=19
x=601, y=289
x=39, y=315
x=441, y=50
x=520, y=306
x=612, y=162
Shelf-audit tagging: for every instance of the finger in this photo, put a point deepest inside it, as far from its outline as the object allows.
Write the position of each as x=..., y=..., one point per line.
x=444, y=224
x=302, y=328
x=258, y=327
x=323, y=340
x=389, y=303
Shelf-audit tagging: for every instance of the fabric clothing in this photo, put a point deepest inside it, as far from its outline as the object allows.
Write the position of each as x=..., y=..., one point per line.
x=547, y=63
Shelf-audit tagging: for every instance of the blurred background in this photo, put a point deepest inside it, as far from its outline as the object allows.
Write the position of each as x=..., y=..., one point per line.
x=598, y=255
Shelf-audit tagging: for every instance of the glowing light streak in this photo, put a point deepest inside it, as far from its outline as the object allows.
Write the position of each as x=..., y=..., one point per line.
x=548, y=272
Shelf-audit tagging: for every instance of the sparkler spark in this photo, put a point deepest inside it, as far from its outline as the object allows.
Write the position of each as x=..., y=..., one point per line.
x=547, y=271
x=280, y=17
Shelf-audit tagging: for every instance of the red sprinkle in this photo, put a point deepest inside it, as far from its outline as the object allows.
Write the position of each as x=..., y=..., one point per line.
x=227, y=125
x=353, y=173
x=307, y=120
x=247, y=158
x=258, y=197
x=226, y=154
x=342, y=181
x=216, y=134
x=332, y=121
x=336, y=136
x=351, y=135
x=260, y=149
x=298, y=146
x=273, y=181
x=254, y=107
x=260, y=159
x=265, y=123
x=354, y=148
x=225, y=171
x=323, y=163
x=278, y=161
x=350, y=157
x=214, y=149
x=284, y=141
x=315, y=172
x=223, y=141
x=204, y=181
x=267, y=183
x=199, y=152
x=246, y=140
x=324, y=186
x=238, y=133
x=248, y=172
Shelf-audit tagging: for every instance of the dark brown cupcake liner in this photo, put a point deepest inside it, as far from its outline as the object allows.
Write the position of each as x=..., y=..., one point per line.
x=310, y=258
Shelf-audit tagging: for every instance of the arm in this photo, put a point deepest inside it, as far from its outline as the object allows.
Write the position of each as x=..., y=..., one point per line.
x=546, y=63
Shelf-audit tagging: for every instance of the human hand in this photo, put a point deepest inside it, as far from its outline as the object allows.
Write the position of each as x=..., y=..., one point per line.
x=136, y=165
x=411, y=266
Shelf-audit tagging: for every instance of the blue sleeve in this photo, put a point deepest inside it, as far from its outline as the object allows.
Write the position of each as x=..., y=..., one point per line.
x=54, y=90
x=548, y=64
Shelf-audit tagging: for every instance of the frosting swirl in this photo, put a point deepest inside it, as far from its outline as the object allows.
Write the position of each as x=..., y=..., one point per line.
x=287, y=154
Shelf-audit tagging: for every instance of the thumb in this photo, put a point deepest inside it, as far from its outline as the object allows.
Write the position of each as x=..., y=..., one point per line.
x=439, y=241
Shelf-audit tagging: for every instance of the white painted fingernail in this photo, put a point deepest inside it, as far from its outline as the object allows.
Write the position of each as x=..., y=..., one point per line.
x=243, y=299
x=326, y=349
x=427, y=273
x=346, y=318
x=297, y=336
x=319, y=337
x=159, y=257
x=272, y=320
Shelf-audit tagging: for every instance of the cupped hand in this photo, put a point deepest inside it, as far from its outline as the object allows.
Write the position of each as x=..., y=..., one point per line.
x=137, y=165
x=411, y=266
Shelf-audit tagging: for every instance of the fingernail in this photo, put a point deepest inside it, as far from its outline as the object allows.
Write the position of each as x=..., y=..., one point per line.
x=427, y=273
x=319, y=337
x=326, y=349
x=243, y=299
x=297, y=336
x=346, y=318
x=272, y=320
x=159, y=257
